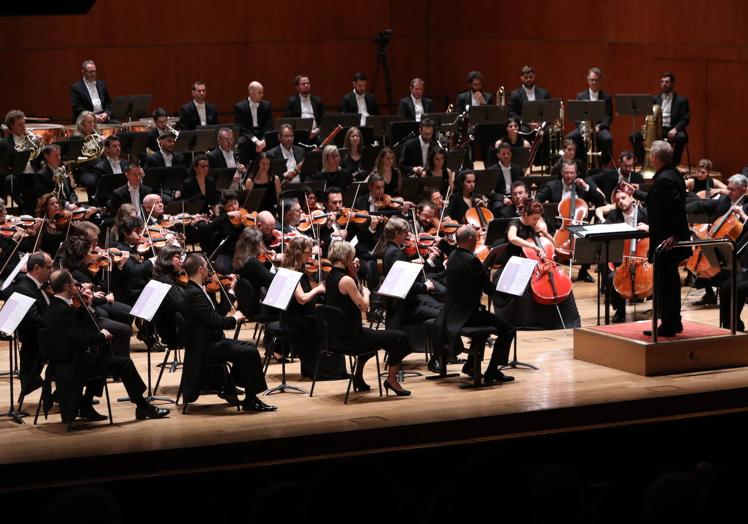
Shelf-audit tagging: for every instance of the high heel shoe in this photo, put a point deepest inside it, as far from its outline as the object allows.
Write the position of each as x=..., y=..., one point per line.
x=398, y=392
x=359, y=384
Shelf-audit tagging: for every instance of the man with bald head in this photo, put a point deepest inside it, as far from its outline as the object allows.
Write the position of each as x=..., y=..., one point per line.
x=254, y=117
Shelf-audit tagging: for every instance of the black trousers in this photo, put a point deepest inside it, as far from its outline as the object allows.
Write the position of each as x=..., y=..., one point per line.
x=740, y=296
x=246, y=366
x=505, y=335
x=679, y=144
x=393, y=341
x=668, y=290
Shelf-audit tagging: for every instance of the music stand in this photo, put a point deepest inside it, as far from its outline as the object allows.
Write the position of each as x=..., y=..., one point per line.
x=548, y=110
x=497, y=230
x=185, y=141
x=69, y=150
x=402, y=130
x=298, y=124
x=581, y=110
x=278, y=166
x=431, y=181
x=217, y=127
x=130, y=107
x=252, y=199
x=440, y=118
x=410, y=188
x=521, y=157
x=13, y=312
x=380, y=126
x=133, y=144
x=633, y=105
x=485, y=181
x=312, y=164
x=369, y=157
x=314, y=185
x=455, y=160
x=20, y=160
x=488, y=115
x=349, y=193
x=330, y=121
x=223, y=177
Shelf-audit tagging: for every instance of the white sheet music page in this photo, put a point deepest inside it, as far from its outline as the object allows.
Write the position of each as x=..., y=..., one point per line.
x=400, y=279
x=515, y=275
x=21, y=263
x=281, y=288
x=150, y=300
x=620, y=227
x=13, y=311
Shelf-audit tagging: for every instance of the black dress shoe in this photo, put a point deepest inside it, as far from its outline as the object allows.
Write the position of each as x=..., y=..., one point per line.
x=706, y=300
x=90, y=414
x=468, y=370
x=359, y=384
x=496, y=377
x=230, y=397
x=585, y=277
x=399, y=392
x=435, y=365
x=255, y=404
x=150, y=411
x=661, y=332
x=619, y=317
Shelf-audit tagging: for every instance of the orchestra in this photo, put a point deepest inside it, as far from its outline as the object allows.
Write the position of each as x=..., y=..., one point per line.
x=342, y=223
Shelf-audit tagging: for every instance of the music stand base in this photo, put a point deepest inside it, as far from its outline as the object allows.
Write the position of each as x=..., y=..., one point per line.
x=441, y=376
x=151, y=398
x=514, y=364
x=16, y=416
x=283, y=388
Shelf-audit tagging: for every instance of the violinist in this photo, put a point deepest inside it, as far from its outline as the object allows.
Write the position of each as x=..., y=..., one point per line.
x=524, y=232
x=74, y=362
x=168, y=270
x=703, y=185
x=271, y=236
x=463, y=197
x=246, y=262
x=291, y=216
x=509, y=173
x=332, y=174
x=15, y=239
x=386, y=167
x=124, y=211
x=440, y=246
x=299, y=316
x=369, y=234
x=415, y=152
x=129, y=280
x=467, y=280
x=624, y=212
x=437, y=166
x=342, y=292
x=53, y=232
x=200, y=185
x=434, y=196
x=260, y=177
x=330, y=230
x=221, y=229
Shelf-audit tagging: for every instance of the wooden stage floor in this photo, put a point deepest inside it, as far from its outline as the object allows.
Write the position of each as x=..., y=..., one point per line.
x=564, y=395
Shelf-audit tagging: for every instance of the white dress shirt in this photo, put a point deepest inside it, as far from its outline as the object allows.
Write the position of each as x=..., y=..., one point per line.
x=201, y=113
x=135, y=196
x=228, y=156
x=255, y=123
x=594, y=95
x=94, y=94
x=424, y=151
x=167, y=158
x=418, y=105
x=667, y=105
x=507, y=172
x=116, y=167
x=361, y=103
x=530, y=93
x=307, y=111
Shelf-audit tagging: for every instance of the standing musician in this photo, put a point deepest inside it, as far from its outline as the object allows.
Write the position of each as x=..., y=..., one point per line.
x=166, y=156
x=415, y=153
x=305, y=105
x=509, y=172
x=704, y=186
x=206, y=344
x=133, y=192
x=624, y=212
x=666, y=206
x=358, y=100
x=602, y=128
x=292, y=154
x=331, y=173
x=197, y=112
x=467, y=280
x=73, y=361
x=299, y=317
x=475, y=95
x=254, y=116
x=608, y=180
x=342, y=292
x=90, y=94
x=414, y=106
x=527, y=92
x=676, y=115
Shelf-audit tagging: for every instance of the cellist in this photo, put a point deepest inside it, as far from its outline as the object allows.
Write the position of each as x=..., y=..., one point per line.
x=624, y=212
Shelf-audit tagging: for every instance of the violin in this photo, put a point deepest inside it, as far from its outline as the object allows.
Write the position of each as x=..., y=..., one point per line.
x=215, y=282
x=549, y=283
x=277, y=238
x=390, y=202
x=95, y=262
x=182, y=278
x=8, y=229
x=244, y=218
x=313, y=265
x=169, y=221
x=317, y=217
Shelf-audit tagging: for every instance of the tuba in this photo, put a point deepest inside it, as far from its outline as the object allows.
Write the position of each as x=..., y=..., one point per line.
x=651, y=131
x=93, y=147
x=32, y=143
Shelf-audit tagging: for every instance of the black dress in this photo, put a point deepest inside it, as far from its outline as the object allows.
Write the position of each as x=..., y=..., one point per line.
x=270, y=200
x=340, y=178
x=360, y=339
x=524, y=312
x=299, y=319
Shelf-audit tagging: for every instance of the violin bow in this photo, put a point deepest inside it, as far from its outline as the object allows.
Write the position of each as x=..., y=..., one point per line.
x=353, y=204
x=415, y=233
x=220, y=286
x=148, y=232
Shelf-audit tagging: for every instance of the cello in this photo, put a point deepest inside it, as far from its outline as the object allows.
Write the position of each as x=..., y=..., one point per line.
x=479, y=216
x=635, y=276
x=572, y=210
x=549, y=283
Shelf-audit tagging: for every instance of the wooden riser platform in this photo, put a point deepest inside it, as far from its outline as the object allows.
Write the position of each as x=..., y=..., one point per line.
x=699, y=348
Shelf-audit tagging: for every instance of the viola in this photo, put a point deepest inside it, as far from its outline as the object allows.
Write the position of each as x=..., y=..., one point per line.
x=634, y=278
x=7, y=229
x=169, y=221
x=572, y=210
x=549, y=283
x=277, y=238
x=182, y=278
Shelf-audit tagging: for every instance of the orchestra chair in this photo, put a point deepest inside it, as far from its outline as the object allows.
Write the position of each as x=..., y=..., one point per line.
x=329, y=321
x=248, y=302
x=174, y=346
x=470, y=332
x=222, y=369
x=48, y=339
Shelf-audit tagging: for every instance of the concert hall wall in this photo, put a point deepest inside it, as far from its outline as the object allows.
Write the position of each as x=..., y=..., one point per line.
x=160, y=47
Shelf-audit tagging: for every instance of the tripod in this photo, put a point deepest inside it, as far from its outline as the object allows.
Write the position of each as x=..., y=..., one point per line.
x=382, y=40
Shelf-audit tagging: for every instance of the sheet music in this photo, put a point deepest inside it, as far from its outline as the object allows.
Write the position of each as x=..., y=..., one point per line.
x=400, y=279
x=620, y=227
x=21, y=263
x=353, y=241
x=515, y=275
x=150, y=300
x=13, y=311
x=281, y=288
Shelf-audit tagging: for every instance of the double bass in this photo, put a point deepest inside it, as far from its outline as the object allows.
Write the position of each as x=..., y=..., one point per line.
x=635, y=276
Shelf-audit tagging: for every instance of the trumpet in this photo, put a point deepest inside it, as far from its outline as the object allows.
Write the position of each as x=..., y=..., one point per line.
x=32, y=143
x=501, y=97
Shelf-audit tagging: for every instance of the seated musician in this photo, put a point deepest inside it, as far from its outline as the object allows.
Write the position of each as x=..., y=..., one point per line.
x=14, y=142
x=222, y=234
x=161, y=127
x=197, y=112
x=246, y=262
x=299, y=316
x=437, y=166
x=741, y=279
x=512, y=136
x=292, y=154
x=467, y=281
x=557, y=190
x=260, y=177
x=305, y=105
x=167, y=270
x=433, y=195
x=602, y=128
x=54, y=229
x=415, y=105
x=109, y=165
x=133, y=192
x=735, y=199
x=73, y=360
x=568, y=152
x=54, y=178
x=206, y=344
x=354, y=146
x=428, y=222
x=271, y=235
x=166, y=156
x=608, y=180
x=369, y=233
x=463, y=197
x=332, y=173
x=112, y=224
x=475, y=95
x=525, y=311
x=386, y=167
x=703, y=185
x=331, y=230
x=341, y=291
x=358, y=100
x=623, y=212
x=136, y=271
x=291, y=216
x=519, y=196
x=508, y=174
x=200, y=185
x=415, y=152
x=225, y=156
x=14, y=240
